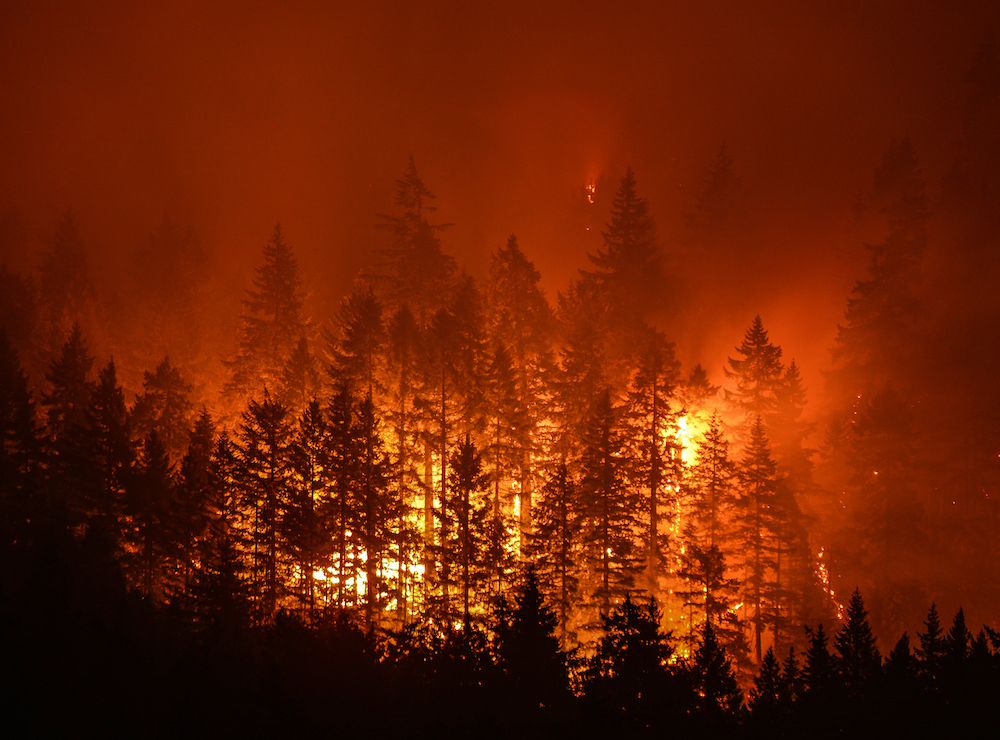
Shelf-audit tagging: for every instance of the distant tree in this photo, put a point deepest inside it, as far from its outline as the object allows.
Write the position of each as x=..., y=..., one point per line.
x=307, y=531
x=376, y=508
x=301, y=379
x=628, y=268
x=196, y=496
x=165, y=406
x=520, y=321
x=356, y=345
x=720, y=201
x=70, y=390
x=19, y=309
x=271, y=323
x=932, y=649
x=65, y=288
x=416, y=270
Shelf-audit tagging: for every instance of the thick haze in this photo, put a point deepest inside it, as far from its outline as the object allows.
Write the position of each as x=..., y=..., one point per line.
x=235, y=116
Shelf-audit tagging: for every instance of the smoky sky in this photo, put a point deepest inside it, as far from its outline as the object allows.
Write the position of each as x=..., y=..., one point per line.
x=230, y=117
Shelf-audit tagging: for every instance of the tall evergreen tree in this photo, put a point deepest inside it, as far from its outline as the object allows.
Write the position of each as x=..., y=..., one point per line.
x=464, y=526
x=20, y=448
x=264, y=480
x=758, y=375
x=860, y=660
x=607, y=507
x=553, y=545
x=150, y=537
x=70, y=390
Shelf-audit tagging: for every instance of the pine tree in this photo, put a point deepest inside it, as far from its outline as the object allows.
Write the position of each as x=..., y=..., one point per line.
x=376, y=508
x=357, y=344
x=629, y=671
x=527, y=648
x=65, y=286
x=271, y=323
x=520, y=320
x=932, y=649
x=196, y=496
x=404, y=353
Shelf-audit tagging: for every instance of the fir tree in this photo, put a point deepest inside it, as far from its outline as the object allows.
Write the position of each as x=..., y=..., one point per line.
x=66, y=402
x=356, y=346
x=150, y=537
x=20, y=448
x=758, y=375
x=301, y=380
x=719, y=694
x=463, y=525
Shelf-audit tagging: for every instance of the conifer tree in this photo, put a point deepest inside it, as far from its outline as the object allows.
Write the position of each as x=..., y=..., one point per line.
x=758, y=375
x=758, y=484
x=553, y=545
x=607, y=507
x=70, y=390
x=720, y=698
x=165, y=406
x=271, y=323
x=520, y=320
x=404, y=352
x=264, y=480
x=376, y=508
x=860, y=661
x=820, y=677
x=150, y=536
x=655, y=464
x=628, y=268
x=196, y=495
x=416, y=271
x=66, y=291
x=301, y=379
x=356, y=345
x=306, y=529
x=340, y=503
x=932, y=649
x=20, y=448
x=464, y=526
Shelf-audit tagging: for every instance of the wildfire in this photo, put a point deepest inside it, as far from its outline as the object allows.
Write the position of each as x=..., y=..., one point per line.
x=591, y=191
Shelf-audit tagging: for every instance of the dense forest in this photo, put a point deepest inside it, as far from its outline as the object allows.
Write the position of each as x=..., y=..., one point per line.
x=457, y=483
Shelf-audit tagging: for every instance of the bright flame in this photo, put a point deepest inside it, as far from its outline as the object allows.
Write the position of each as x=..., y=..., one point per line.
x=591, y=190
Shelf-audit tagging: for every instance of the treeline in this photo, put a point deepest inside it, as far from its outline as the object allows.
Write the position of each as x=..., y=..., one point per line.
x=446, y=435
